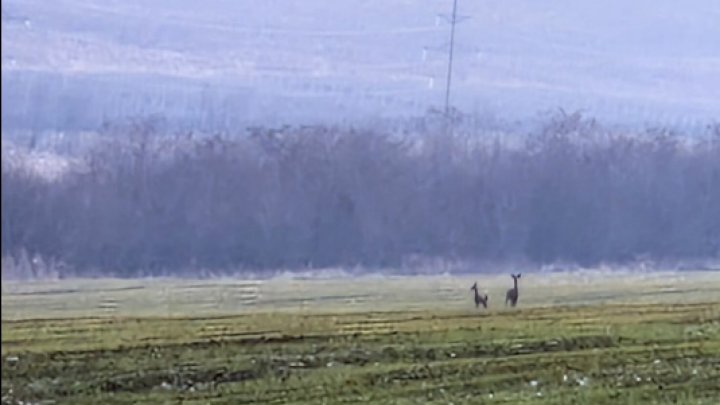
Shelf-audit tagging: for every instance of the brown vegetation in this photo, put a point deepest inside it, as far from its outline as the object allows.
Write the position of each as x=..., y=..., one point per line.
x=314, y=197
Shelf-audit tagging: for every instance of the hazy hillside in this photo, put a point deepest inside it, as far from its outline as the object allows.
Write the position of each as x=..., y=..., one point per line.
x=74, y=63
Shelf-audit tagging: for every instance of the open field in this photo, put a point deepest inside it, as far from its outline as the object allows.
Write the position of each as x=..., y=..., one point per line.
x=589, y=337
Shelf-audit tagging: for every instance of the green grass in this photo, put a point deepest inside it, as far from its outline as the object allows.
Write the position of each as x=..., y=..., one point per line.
x=297, y=343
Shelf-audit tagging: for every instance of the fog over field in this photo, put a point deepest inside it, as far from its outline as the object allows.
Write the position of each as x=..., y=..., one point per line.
x=270, y=201
x=72, y=64
x=169, y=137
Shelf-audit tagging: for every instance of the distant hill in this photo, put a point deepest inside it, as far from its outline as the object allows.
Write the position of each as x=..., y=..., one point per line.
x=72, y=64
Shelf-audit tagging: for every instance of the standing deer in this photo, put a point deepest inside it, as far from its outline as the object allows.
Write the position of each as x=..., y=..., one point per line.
x=513, y=293
x=478, y=298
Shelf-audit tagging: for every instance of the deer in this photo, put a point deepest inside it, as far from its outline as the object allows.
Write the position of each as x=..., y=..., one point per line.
x=479, y=299
x=513, y=293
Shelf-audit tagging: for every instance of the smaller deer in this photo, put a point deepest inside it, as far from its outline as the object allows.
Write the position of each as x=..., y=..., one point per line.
x=479, y=299
x=513, y=293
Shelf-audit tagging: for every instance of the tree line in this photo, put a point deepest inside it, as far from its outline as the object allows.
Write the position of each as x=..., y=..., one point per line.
x=298, y=197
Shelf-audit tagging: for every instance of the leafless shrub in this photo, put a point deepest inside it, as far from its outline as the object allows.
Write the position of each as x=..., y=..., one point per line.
x=574, y=192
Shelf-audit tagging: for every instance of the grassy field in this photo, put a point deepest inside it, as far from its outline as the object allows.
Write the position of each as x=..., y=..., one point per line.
x=591, y=337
